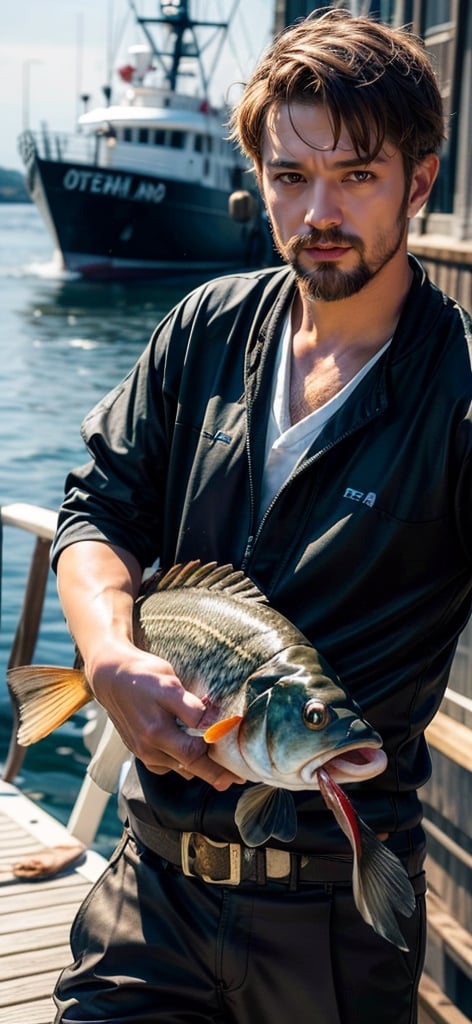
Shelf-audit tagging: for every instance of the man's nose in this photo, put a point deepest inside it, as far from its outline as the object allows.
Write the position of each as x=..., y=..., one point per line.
x=324, y=208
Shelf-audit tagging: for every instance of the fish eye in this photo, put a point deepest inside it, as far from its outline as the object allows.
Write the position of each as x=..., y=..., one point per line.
x=315, y=714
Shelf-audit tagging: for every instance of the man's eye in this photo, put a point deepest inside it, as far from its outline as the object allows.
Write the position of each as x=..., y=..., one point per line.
x=290, y=178
x=360, y=176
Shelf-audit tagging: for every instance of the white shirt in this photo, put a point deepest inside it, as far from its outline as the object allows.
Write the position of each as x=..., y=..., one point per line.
x=286, y=443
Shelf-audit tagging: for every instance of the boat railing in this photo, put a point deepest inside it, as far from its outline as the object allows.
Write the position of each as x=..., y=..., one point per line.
x=91, y=801
x=446, y=987
x=59, y=146
x=106, y=150
x=97, y=149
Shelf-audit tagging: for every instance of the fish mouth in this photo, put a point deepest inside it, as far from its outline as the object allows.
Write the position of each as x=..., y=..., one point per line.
x=352, y=764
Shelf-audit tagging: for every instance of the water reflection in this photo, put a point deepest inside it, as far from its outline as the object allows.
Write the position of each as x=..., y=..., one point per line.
x=103, y=312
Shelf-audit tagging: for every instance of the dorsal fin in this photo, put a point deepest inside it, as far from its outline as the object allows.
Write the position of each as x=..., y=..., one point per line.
x=210, y=576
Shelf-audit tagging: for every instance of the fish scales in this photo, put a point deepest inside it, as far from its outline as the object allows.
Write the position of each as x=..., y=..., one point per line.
x=213, y=642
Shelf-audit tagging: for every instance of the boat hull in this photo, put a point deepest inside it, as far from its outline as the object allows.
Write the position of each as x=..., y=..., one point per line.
x=111, y=223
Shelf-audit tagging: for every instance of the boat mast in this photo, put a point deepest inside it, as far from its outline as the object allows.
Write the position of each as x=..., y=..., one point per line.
x=176, y=16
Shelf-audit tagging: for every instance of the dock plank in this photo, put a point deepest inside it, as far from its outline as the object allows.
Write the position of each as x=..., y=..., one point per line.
x=38, y=1012
x=27, y=902
x=36, y=986
x=41, y=914
x=36, y=961
x=35, y=916
x=48, y=937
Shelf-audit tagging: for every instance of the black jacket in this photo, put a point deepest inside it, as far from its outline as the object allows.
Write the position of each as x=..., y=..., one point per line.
x=367, y=548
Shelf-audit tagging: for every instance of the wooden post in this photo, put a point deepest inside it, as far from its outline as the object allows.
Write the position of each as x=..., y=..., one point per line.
x=25, y=641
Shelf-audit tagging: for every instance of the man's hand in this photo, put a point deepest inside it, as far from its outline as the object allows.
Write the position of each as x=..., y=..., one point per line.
x=143, y=697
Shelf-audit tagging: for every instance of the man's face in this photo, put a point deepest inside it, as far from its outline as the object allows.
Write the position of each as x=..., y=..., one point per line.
x=336, y=219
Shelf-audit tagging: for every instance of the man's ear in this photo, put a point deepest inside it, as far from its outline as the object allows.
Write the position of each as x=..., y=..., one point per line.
x=423, y=178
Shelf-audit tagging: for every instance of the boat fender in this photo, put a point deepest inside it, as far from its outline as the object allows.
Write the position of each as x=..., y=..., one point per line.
x=242, y=206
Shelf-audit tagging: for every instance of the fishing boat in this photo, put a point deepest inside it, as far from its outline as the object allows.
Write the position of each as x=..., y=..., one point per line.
x=150, y=184
x=35, y=915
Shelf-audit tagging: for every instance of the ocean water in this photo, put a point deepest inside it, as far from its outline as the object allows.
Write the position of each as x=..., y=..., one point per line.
x=64, y=343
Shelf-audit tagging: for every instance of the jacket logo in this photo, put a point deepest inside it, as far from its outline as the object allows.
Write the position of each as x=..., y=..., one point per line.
x=364, y=497
x=219, y=436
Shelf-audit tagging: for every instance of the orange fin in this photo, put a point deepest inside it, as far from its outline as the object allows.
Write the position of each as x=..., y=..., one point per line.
x=219, y=729
x=46, y=696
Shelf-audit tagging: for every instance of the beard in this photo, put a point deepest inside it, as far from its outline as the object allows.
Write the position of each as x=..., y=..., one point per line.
x=327, y=283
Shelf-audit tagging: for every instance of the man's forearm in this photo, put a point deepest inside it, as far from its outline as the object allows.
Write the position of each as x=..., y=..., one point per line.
x=97, y=587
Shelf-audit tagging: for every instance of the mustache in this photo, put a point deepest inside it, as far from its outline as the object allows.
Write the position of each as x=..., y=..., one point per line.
x=333, y=236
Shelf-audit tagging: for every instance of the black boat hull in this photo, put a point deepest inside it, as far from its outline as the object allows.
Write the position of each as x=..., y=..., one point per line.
x=111, y=223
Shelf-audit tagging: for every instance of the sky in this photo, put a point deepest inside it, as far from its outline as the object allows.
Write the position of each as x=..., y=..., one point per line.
x=53, y=51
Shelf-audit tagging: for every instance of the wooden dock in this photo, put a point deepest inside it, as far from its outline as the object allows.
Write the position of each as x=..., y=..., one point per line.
x=35, y=917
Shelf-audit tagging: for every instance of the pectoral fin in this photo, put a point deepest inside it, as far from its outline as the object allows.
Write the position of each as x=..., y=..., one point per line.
x=220, y=729
x=263, y=812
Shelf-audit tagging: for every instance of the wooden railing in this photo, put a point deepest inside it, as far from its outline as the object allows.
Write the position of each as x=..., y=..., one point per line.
x=42, y=523
x=448, y=262
x=91, y=801
x=449, y=942
x=449, y=954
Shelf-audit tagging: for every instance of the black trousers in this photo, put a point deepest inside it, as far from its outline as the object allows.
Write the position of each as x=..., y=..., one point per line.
x=152, y=945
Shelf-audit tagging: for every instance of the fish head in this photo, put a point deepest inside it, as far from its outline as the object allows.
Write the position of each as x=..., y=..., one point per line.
x=299, y=718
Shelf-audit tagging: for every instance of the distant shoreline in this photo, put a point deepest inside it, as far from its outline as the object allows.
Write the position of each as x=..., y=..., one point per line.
x=12, y=187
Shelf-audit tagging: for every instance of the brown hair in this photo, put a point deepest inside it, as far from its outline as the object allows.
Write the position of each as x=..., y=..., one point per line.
x=376, y=80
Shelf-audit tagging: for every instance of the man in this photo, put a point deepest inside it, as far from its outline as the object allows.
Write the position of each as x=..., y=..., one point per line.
x=311, y=425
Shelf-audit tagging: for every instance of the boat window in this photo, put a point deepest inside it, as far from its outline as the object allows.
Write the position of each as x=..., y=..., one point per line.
x=204, y=144
x=177, y=140
x=143, y=135
x=159, y=137
x=127, y=135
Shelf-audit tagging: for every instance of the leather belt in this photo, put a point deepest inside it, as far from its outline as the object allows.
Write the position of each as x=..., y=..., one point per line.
x=221, y=863
x=232, y=863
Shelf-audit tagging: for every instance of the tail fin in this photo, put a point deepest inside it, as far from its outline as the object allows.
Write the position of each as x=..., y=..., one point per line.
x=46, y=696
x=381, y=885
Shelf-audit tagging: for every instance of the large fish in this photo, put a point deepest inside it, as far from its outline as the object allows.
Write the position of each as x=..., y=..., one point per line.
x=279, y=716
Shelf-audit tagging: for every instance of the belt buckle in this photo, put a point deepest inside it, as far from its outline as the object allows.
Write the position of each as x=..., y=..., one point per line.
x=234, y=853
